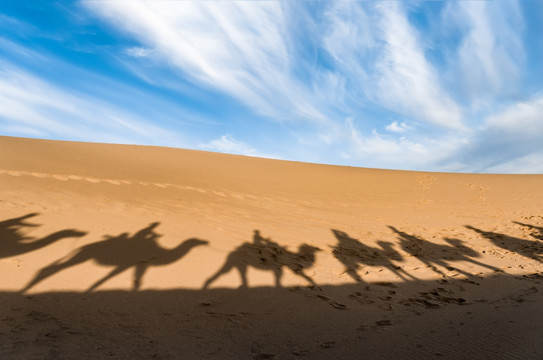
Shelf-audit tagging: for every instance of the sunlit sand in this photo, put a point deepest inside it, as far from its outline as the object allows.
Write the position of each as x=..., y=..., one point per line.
x=148, y=252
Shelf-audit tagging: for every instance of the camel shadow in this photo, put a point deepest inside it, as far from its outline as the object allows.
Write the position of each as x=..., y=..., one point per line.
x=437, y=255
x=527, y=248
x=537, y=231
x=352, y=253
x=123, y=252
x=265, y=254
x=13, y=242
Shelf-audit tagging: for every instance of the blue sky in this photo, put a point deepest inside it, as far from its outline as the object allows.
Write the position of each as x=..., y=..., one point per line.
x=417, y=85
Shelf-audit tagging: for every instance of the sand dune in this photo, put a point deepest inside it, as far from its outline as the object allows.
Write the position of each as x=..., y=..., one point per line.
x=146, y=252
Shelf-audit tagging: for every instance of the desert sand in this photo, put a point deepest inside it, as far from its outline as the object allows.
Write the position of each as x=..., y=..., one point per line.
x=117, y=251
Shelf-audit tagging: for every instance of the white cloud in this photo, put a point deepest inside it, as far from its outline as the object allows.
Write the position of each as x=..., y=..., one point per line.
x=419, y=152
x=378, y=150
x=398, y=127
x=138, y=52
x=528, y=164
x=407, y=81
x=491, y=54
x=349, y=38
x=509, y=141
x=236, y=46
x=378, y=53
x=367, y=61
x=524, y=119
x=227, y=144
x=30, y=105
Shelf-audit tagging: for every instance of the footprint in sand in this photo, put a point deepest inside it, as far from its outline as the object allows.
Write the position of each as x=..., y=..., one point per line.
x=333, y=303
x=425, y=181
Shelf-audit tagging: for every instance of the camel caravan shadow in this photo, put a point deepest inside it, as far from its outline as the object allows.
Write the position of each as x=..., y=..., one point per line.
x=265, y=254
x=412, y=318
x=14, y=242
x=141, y=251
x=123, y=252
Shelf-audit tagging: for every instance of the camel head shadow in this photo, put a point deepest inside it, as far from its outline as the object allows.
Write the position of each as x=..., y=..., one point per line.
x=13, y=242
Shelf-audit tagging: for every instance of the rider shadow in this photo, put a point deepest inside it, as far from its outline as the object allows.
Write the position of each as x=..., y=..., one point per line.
x=434, y=255
x=527, y=248
x=352, y=254
x=123, y=252
x=13, y=242
x=266, y=254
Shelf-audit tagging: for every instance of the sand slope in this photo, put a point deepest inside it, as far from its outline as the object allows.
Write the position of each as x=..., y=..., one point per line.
x=131, y=251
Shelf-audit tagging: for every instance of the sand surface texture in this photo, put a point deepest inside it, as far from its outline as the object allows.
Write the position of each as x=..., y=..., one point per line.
x=112, y=251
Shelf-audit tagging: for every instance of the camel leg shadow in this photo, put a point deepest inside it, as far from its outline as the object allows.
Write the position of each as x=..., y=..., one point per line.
x=229, y=265
x=113, y=273
x=308, y=278
x=242, y=269
x=54, y=268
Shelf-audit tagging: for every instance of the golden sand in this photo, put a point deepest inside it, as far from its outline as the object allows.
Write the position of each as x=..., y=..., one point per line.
x=147, y=252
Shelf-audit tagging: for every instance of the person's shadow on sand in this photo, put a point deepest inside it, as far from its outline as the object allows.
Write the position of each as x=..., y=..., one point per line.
x=13, y=242
x=527, y=248
x=434, y=255
x=121, y=252
x=267, y=255
x=352, y=253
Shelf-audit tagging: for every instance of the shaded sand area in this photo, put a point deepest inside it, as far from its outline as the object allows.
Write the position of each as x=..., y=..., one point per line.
x=113, y=251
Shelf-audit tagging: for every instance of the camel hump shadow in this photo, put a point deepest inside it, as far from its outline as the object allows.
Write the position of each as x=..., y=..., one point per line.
x=265, y=254
x=353, y=254
x=123, y=252
x=13, y=242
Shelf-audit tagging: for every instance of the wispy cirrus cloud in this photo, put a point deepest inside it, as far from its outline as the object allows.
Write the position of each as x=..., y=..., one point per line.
x=406, y=80
x=31, y=106
x=237, y=47
x=490, y=55
x=409, y=85
x=364, y=60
